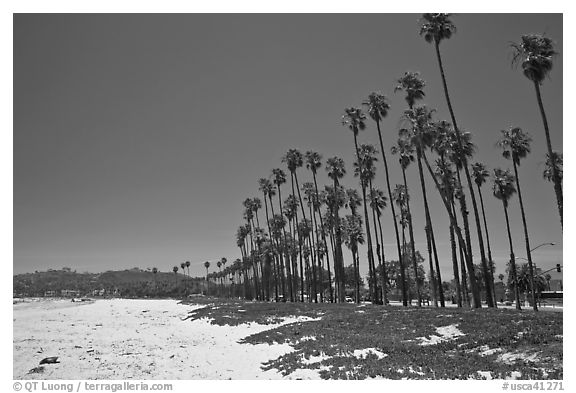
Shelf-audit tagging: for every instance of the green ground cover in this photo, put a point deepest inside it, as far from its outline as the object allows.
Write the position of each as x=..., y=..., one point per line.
x=488, y=343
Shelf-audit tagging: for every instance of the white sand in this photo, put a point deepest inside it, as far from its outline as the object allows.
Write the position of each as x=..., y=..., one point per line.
x=137, y=339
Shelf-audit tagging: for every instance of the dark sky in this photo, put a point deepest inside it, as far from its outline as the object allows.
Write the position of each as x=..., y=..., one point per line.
x=137, y=137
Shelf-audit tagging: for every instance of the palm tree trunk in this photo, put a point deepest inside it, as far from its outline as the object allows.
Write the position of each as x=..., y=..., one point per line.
x=309, y=238
x=272, y=240
x=384, y=272
x=526, y=239
x=371, y=266
x=288, y=260
x=413, y=246
x=555, y=174
x=381, y=297
x=324, y=240
x=452, y=215
x=512, y=260
x=490, y=260
x=340, y=256
x=474, y=287
x=297, y=229
x=428, y=226
x=485, y=270
x=399, y=248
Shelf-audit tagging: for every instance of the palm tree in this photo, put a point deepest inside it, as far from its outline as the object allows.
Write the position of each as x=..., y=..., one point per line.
x=279, y=179
x=435, y=28
x=336, y=171
x=207, y=265
x=480, y=174
x=313, y=163
x=183, y=267
x=188, y=267
x=378, y=203
x=353, y=236
x=353, y=118
x=556, y=162
x=154, y=273
x=535, y=53
x=516, y=145
x=405, y=151
x=378, y=107
x=503, y=189
x=400, y=197
x=267, y=190
x=447, y=190
x=366, y=170
x=420, y=119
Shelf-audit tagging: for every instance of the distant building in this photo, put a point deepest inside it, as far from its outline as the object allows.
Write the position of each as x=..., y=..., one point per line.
x=70, y=293
x=50, y=294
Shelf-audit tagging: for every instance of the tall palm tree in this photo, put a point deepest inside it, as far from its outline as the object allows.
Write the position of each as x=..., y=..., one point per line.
x=378, y=203
x=280, y=178
x=353, y=119
x=515, y=145
x=188, y=267
x=405, y=151
x=313, y=163
x=480, y=175
x=420, y=134
x=353, y=236
x=503, y=189
x=535, y=53
x=267, y=188
x=154, y=273
x=294, y=160
x=448, y=188
x=556, y=162
x=400, y=197
x=183, y=267
x=207, y=265
x=336, y=171
x=366, y=171
x=435, y=28
x=377, y=107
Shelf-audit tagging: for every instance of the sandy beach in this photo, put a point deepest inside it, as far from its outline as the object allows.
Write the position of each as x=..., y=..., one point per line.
x=136, y=339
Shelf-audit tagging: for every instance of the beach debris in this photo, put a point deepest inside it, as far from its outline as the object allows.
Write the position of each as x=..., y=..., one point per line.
x=50, y=360
x=36, y=370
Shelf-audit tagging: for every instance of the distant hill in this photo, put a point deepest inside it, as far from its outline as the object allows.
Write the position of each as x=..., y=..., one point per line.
x=133, y=282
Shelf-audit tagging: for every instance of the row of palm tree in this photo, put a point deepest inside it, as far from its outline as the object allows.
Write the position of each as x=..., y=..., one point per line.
x=298, y=253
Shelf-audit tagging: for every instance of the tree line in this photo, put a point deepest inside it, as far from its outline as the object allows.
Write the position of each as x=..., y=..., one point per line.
x=298, y=246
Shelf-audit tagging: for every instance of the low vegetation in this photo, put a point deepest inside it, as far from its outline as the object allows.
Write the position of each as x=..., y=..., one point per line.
x=348, y=341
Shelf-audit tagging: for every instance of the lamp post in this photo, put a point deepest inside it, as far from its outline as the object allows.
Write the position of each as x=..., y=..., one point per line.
x=538, y=246
x=543, y=244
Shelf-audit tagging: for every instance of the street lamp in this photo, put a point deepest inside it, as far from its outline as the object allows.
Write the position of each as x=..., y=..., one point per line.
x=543, y=244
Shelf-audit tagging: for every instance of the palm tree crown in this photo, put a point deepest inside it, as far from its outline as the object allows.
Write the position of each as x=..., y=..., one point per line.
x=266, y=187
x=479, y=173
x=293, y=159
x=279, y=176
x=503, y=187
x=353, y=118
x=377, y=105
x=557, y=161
x=534, y=53
x=436, y=27
x=413, y=85
x=405, y=150
x=335, y=168
x=313, y=161
x=515, y=144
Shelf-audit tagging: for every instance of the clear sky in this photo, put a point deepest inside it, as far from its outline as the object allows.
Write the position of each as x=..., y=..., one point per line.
x=137, y=137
